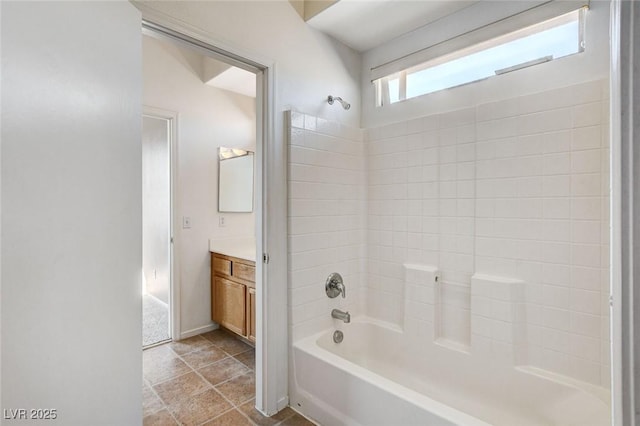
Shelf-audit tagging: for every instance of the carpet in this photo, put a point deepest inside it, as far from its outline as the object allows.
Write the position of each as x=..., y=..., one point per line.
x=155, y=321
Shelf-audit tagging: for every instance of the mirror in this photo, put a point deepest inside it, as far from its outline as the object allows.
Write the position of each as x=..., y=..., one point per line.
x=235, y=180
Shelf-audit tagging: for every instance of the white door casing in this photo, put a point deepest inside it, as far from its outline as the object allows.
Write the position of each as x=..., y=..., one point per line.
x=271, y=212
x=175, y=226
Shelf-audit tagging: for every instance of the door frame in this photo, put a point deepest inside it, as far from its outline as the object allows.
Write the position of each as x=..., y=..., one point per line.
x=625, y=205
x=174, y=214
x=271, y=256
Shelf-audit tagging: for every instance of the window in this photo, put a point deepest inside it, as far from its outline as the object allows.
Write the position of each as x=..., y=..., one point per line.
x=539, y=43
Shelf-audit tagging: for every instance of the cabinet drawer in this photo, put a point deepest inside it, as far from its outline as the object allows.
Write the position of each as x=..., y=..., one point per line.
x=221, y=266
x=244, y=272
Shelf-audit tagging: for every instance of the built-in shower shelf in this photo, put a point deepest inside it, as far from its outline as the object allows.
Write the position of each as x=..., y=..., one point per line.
x=453, y=345
x=452, y=315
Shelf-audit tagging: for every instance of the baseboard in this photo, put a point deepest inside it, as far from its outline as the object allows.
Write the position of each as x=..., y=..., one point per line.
x=158, y=300
x=199, y=330
x=282, y=403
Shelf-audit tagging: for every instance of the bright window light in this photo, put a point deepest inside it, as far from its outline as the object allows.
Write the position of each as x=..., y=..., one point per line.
x=556, y=38
x=394, y=90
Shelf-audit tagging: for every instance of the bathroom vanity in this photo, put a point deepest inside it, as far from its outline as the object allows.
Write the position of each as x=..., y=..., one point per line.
x=233, y=294
x=233, y=266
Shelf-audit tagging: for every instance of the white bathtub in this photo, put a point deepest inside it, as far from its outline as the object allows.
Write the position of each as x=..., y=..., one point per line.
x=372, y=379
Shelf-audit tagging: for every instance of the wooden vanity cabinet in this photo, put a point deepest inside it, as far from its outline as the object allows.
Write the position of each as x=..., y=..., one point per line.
x=233, y=292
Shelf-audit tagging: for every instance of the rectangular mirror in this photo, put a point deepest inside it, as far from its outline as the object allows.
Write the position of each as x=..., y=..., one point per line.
x=235, y=180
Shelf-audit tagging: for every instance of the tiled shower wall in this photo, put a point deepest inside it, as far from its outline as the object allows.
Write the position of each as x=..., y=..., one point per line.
x=421, y=210
x=327, y=229
x=515, y=189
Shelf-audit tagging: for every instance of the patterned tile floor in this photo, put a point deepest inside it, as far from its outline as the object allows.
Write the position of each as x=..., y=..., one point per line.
x=205, y=380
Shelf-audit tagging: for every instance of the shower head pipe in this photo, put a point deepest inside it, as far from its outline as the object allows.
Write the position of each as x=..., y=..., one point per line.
x=331, y=99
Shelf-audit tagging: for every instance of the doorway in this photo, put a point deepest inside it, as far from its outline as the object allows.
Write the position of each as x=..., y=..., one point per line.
x=197, y=215
x=157, y=140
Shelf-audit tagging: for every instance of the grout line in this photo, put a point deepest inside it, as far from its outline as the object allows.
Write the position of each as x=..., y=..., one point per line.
x=209, y=384
x=174, y=377
x=159, y=399
x=228, y=355
x=146, y=382
x=173, y=416
x=231, y=378
x=225, y=412
x=208, y=387
x=218, y=392
x=209, y=364
x=179, y=375
x=230, y=338
x=251, y=422
x=164, y=406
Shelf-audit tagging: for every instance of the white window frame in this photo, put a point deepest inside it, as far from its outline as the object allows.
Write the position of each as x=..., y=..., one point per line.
x=517, y=26
x=383, y=94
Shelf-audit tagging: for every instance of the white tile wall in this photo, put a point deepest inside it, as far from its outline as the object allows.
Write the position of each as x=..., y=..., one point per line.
x=421, y=304
x=516, y=188
x=327, y=199
x=559, y=246
x=421, y=210
x=497, y=318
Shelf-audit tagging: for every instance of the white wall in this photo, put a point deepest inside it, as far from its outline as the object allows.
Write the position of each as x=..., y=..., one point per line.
x=208, y=118
x=309, y=64
x=590, y=65
x=71, y=212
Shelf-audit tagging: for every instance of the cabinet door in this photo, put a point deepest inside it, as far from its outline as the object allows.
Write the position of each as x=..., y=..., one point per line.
x=230, y=309
x=251, y=313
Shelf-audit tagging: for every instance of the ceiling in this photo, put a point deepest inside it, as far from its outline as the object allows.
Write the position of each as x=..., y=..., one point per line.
x=235, y=80
x=210, y=71
x=363, y=25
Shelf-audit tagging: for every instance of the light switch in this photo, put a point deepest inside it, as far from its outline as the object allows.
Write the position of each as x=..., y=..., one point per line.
x=186, y=222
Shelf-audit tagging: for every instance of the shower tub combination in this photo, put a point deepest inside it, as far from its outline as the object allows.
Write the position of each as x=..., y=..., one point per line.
x=372, y=378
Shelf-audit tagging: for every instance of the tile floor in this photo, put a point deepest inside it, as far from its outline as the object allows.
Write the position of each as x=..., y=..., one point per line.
x=205, y=380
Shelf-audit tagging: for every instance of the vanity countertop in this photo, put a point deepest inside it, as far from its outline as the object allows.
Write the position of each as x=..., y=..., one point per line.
x=243, y=248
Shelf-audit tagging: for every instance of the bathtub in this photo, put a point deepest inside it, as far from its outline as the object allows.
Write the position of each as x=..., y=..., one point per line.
x=372, y=379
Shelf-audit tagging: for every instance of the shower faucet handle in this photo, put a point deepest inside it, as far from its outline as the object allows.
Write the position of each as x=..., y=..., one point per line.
x=335, y=286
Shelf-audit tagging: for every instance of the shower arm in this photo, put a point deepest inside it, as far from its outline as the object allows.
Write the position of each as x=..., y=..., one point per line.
x=330, y=100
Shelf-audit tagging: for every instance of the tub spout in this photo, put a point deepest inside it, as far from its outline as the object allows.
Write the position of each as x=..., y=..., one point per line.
x=343, y=316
